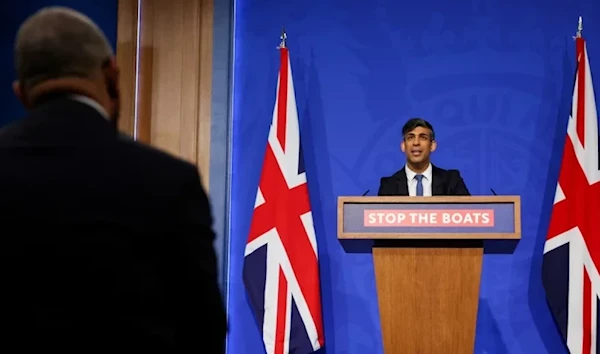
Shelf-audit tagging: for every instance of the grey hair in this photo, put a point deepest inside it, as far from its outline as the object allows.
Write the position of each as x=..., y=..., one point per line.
x=58, y=42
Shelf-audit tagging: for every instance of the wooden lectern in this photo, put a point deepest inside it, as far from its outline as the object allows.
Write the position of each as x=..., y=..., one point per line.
x=427, y=256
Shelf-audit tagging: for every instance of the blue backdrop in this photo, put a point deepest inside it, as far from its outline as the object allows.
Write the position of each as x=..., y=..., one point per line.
x=13, y=13
x=494, y=78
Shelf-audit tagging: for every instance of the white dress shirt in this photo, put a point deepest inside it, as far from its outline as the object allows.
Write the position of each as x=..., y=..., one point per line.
x=92, y=103
x=412, y=181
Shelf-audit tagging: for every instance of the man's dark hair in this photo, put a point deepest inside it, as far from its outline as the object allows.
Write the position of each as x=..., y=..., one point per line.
x=417, y=122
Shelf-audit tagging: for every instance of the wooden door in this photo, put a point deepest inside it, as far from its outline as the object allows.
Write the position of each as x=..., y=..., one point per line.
x=164, y=50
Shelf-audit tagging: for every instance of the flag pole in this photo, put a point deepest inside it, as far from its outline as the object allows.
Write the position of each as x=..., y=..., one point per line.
x=283, y=38
x=579, y=28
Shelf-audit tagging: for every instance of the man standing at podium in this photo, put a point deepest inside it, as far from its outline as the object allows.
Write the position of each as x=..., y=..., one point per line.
x=419, y=177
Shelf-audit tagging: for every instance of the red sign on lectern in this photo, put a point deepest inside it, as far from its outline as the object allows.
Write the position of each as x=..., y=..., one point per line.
x=429, y=218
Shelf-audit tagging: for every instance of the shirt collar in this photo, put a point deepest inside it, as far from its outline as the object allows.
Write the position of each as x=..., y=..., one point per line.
x=410, y=174
x=92, y=103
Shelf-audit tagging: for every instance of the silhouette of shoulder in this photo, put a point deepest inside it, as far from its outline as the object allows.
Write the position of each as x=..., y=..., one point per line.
x=160, y=169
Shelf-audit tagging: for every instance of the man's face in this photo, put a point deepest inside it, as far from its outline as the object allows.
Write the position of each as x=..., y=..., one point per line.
x=417, y=145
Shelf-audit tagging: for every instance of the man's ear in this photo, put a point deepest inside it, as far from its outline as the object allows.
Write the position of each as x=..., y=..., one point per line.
x=111, y=75
x=433, y=145
x=20, y=93
x=403, y=146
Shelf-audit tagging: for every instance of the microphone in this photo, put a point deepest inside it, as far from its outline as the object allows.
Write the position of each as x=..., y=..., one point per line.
x=365, y=193
x=493, y=191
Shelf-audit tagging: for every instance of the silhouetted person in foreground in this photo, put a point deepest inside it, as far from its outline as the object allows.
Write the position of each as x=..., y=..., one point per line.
x=107, y=244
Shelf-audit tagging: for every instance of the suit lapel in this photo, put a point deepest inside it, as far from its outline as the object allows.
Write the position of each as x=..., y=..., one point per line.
x=401, y=183
x=438, y=182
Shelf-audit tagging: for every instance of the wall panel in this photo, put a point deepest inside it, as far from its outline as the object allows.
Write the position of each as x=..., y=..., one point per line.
x=165, y=52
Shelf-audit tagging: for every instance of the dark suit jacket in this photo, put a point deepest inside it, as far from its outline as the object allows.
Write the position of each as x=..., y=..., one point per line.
x=107, y=244
x=443, y=182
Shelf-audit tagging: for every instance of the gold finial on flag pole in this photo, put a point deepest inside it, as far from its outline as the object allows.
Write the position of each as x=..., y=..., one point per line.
x=283, y=38
x=579, y=27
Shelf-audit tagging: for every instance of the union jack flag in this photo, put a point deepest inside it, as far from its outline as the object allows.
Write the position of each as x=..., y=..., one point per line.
x=281, y=267
x=572, y=249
